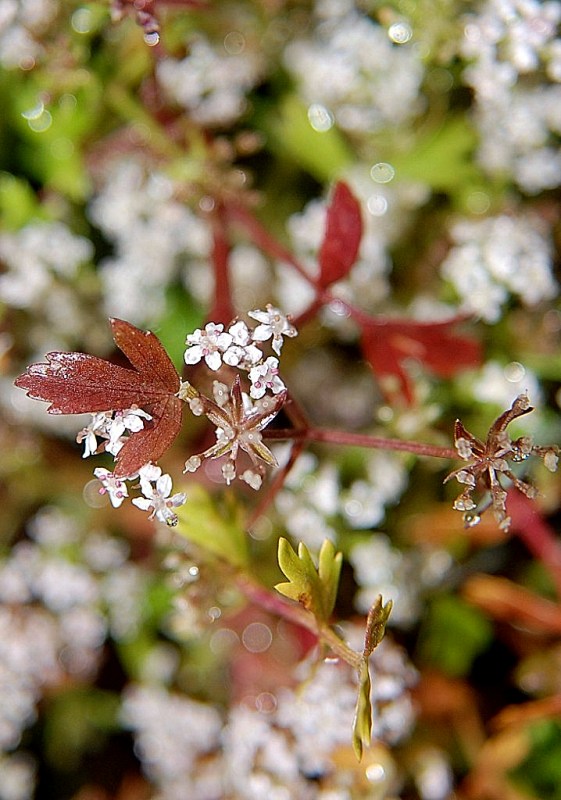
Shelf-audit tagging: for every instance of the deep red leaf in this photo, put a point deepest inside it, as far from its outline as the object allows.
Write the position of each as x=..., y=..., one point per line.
x=343, y=233
x=77, y=383
x=389, y=343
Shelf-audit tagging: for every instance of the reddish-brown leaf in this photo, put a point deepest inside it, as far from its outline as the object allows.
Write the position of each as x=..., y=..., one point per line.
x=343, y=233
x=77, y=383
x=389, y=343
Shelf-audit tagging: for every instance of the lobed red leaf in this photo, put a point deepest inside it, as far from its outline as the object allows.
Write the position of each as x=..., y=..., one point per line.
x=78, y=383
x=388, y=343
x=342, y=238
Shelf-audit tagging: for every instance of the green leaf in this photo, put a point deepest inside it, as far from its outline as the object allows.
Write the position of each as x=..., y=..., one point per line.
x=18, y=203
x=362, y=725
x=443, y=159
x=214, y=524
x=323, y=154
x=315, y=589
x=77, y=722
x=454, y=634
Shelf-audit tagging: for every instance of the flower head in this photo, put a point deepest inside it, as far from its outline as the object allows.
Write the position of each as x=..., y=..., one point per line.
x=210, y=344
x=273, y=324
x=156, y=489
x=114, y=487
x=265, y=377
x=239, y=423
x=489, y=461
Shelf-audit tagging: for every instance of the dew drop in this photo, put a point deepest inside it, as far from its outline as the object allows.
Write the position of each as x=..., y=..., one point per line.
x=375, y=773
x=320, y=118
x=41, y=123
x=377, y=204
x=234, y=43
x=257, y=637
x=152, y=38
x=478, y=202
x=35, y=112
x=266, y=703
x=514, y=372
x=81, y=20
x=471, y=520
x=400, y=32
x=214, y=613
x=382, y=172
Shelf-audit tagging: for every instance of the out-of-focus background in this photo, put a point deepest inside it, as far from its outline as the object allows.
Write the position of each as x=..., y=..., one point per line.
x=132, y=666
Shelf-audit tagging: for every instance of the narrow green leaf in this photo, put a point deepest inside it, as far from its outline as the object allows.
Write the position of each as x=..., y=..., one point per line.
x=329, y=570
x=362, y=726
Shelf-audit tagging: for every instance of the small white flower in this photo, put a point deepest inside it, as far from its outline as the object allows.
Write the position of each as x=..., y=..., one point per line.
x=97, y=427
x=158, y=497
x=273, y=324
x=265, y=376
x=241, y=353
x=131, y=419
x=114, y=487
x=209, y=344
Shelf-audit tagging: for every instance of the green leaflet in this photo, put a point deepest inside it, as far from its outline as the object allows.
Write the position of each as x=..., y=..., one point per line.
x=315, y=589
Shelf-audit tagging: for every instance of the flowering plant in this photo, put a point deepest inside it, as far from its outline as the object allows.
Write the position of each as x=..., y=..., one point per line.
x=325, y=235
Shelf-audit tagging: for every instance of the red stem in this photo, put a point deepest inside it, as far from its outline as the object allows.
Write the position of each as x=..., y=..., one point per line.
x=536, y=534
x=361, y=440
x=223, y=310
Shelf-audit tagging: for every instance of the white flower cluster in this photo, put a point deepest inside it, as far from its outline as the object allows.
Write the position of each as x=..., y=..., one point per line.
x=21, y=24
x=496, y=257
x=114, y=427
x=237, y=347
x=39, y=260
x=211, y=85
x=155, y=487
x=353, y=70
x=137, y=212
x=286, y=751
x=53, y=602
x=314, y=505
x=398, y=575
x=509, y=44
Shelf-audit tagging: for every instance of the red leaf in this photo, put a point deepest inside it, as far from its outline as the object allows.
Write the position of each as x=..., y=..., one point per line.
x=77, y=383
x=343, y=233
x=389, y=343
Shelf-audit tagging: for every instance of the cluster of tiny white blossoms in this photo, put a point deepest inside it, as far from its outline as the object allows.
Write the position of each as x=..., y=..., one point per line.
x=351, y=69
x=21, y=24
x=289, y=748
x=137, y=212
x=239, y=417
x=42, y=264
x=510, y=44
x=54, y=601
x=113, y=428
x=500, y=256
x=212, y=85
